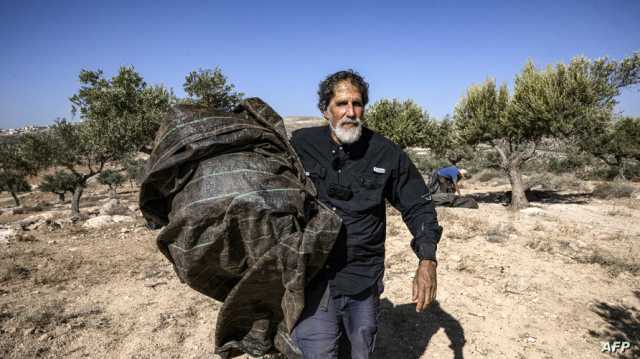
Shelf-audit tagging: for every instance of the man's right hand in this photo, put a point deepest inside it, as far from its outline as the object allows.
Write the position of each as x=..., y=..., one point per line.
x=425, y=285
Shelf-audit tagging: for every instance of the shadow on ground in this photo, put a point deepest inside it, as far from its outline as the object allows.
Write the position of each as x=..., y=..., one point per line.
x=622, y=324
x=551, y=197
x=403, y=333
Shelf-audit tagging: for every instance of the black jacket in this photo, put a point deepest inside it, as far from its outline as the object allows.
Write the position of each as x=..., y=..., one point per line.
x=354, y=180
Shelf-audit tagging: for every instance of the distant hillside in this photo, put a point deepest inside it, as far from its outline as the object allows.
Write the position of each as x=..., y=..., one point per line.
x=11, y=135
x=293, y=123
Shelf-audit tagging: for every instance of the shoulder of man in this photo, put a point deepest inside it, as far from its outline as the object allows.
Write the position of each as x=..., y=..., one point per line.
x=381, y=143
x=307, y=134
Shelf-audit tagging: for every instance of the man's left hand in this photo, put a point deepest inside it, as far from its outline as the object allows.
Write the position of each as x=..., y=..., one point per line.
x=425, y=285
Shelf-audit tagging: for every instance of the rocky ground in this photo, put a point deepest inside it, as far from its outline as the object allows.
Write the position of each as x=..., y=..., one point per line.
x=552, y=281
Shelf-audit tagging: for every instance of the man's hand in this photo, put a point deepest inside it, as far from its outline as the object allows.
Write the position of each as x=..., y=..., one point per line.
x=425, y=285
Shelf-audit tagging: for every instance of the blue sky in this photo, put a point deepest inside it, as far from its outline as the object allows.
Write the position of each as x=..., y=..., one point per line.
x=430, y=51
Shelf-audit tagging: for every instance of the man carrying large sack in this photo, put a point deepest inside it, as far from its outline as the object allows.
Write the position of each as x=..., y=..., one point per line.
x=241, y=221
x=355, y=170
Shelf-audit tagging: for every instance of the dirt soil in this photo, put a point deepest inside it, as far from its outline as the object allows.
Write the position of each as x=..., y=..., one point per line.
x=553, y=281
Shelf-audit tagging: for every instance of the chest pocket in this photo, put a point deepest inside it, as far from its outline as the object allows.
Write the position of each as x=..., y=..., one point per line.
x=372, y=181
x=371, y=186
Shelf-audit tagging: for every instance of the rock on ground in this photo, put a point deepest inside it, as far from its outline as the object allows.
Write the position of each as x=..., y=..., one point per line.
x=114, y=207
x=7, y=234
x=104, y=220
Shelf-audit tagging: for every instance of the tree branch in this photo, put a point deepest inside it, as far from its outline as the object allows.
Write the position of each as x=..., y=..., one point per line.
x=73, y=170
x=503, y=156
x=527, y=157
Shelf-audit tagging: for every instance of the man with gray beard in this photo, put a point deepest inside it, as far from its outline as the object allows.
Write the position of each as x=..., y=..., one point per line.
x=355, y=170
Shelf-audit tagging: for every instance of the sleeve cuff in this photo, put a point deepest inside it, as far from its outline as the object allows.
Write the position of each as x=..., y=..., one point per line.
x=425, y=250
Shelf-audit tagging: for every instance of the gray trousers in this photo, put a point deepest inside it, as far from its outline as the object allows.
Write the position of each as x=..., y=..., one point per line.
x=325, y=319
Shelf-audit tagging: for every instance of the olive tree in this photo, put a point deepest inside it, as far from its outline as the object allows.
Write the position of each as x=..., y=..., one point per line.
x=14, y=184
x=572, y=100
x=615, y=144
x=403, y=122
x=134, y=169
x=112, y=179
x=59, y=183
x=118, y=116
x=210, y=88
x=14, y=169
x=444, y=141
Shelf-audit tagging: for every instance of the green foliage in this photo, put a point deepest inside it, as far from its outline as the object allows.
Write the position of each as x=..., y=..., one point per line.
x=14, y=161
x=570, y=100
x=426, y=162
x=118, y=116
x=481, y=115
x=481, y=158
x=565, y=100
x=443, y=139
x=626, y=135
x=605, y=172
x=111, y=178
x=615, y=142
x=209, y=88
x=59, y=183
x=134, y=169
x=571, y=163
x=121, y=114
x=13, y=183
x=404, y=123
x=573, y=101
x=14, y=168
x=632, y=170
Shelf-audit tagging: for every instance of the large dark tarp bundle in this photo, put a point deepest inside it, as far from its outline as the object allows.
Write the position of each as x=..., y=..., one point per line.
x=241, y=222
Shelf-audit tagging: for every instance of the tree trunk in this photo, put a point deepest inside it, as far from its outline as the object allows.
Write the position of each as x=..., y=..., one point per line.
x=511, y=165
x=114, y=194
x=518, y=197
x=75, y=201
x=15, y=198
x=620, y=176
x=60, y=196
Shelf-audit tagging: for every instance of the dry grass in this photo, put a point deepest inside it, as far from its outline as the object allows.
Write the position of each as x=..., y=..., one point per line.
x=61, y=271
x=393, y=231
x=553, y=182
x=500, y=232
x=614, y=264
x=457, y=227
x=561, y=242
x=632, y=203
x=618, y=212
x=44, y=322
x=10, y=271
x=541, y=244
x=487, y=175
x=610, y=190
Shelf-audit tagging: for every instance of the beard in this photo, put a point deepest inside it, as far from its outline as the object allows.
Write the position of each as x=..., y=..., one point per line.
x=347, y=135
